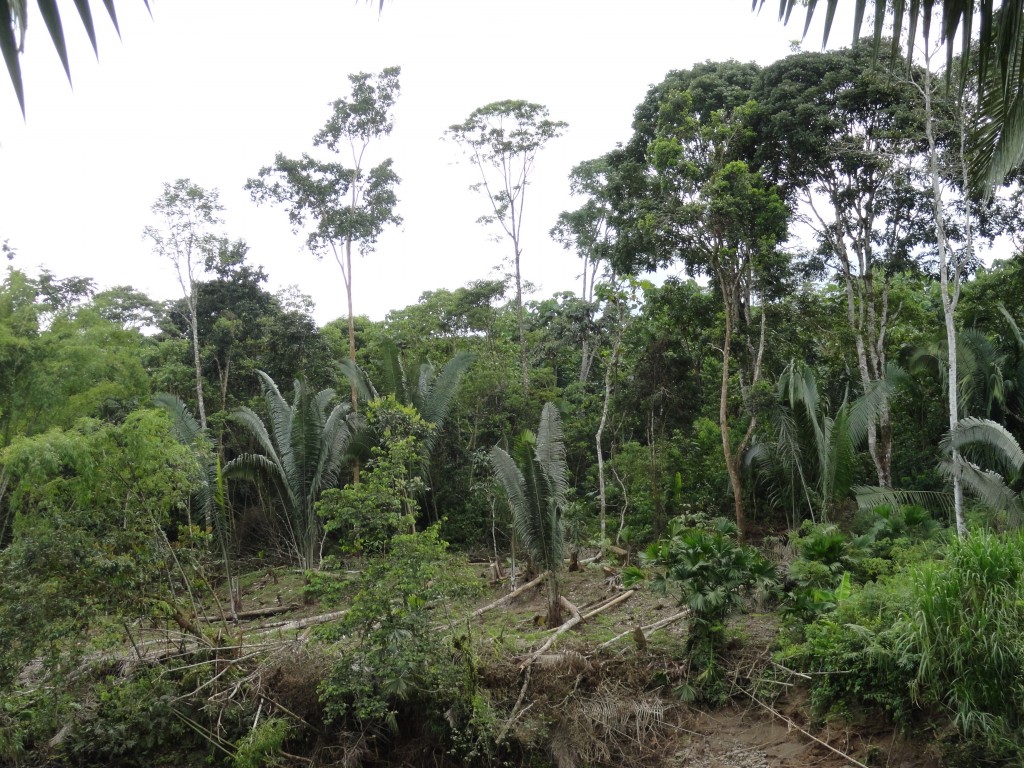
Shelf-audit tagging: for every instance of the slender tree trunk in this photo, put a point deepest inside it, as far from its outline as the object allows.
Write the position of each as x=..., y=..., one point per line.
x=723, y=426
x=193, y=321
x=345, y=263
x=950, y=289
x=351, y=316
x=600, y=434
x=868, y=328
x=520, y=322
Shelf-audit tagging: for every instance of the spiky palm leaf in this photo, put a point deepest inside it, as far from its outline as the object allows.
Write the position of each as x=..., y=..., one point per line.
x=14, y=18
x=301, y=455
x=358, y=378
x=981, y=381
x=870, y=496
x=209, y=496
x=432, y=396
x=536, y=485
x=808, y=446
x=978, y=439
x=435, y=394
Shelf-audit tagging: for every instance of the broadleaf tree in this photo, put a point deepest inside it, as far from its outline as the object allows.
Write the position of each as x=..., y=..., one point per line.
x=337, y=204
x=996, y=57
x=188, y=215
x=688, y=193
x=502, y=140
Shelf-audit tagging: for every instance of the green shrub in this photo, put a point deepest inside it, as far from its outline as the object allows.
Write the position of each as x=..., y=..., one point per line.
x=712, y=572
x=261, y=746
x=967, y=626
x=855, y=655
x=129, y=723
x=401, y=661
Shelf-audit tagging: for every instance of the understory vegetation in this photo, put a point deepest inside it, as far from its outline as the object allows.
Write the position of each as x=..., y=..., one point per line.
x=492, y=530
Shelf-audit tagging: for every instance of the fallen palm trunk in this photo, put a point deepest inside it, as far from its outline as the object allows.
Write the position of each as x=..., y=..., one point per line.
x=649, y=628
x=253, y=613
x=310, y=621
x=576, y=619
x=511, y=595
x=610, y=604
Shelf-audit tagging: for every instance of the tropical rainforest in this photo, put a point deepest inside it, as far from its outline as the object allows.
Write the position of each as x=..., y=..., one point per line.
x=588, y=529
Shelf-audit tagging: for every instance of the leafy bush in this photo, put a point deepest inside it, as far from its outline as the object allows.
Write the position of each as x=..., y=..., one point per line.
x=129, y=723
x=712, y=572
x=400, y=661
x=947, y=635
x=261, y=746
x=855, y=653
x=366, y=515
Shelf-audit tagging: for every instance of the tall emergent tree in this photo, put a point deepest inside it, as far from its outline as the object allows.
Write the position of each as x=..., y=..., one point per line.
x=502, y=140
x=842, y=137
x=687, y=193
x=188, y=214
x=955, y=254
x=997, y=52
x=341, y=204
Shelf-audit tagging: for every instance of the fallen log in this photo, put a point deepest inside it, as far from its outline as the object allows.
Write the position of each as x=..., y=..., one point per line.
x=576, y=619
x=650, y=628
x=611, y=603
x=310, y=621
x=510, y=596
x=253, y=613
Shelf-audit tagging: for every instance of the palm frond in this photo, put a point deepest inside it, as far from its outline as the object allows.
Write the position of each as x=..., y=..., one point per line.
x=842, y=457
x=511, y=479
x=424, y=387
x=988, y=487
x=357, y=378
x=394, y=372
x=1014, y=328
x=184, y=426
x=988, y=441
x=866, y=409
x=253, y=466
x=250, y=420
x=939, y=503
x=13, y=16
x=336, y=437
x=436, y=395
x=278, y=410
x=550, y=453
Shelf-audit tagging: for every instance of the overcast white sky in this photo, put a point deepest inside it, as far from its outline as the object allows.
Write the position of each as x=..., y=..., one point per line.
x=211, y=90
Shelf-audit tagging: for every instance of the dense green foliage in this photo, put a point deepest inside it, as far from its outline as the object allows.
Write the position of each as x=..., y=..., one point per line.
x=801, y=391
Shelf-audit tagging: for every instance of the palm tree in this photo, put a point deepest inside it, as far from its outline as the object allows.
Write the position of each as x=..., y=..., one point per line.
x=536, y=483
x=999, y=55
x=430, y=392
x=810, y=455
x=302, y=456
x=978, y=442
